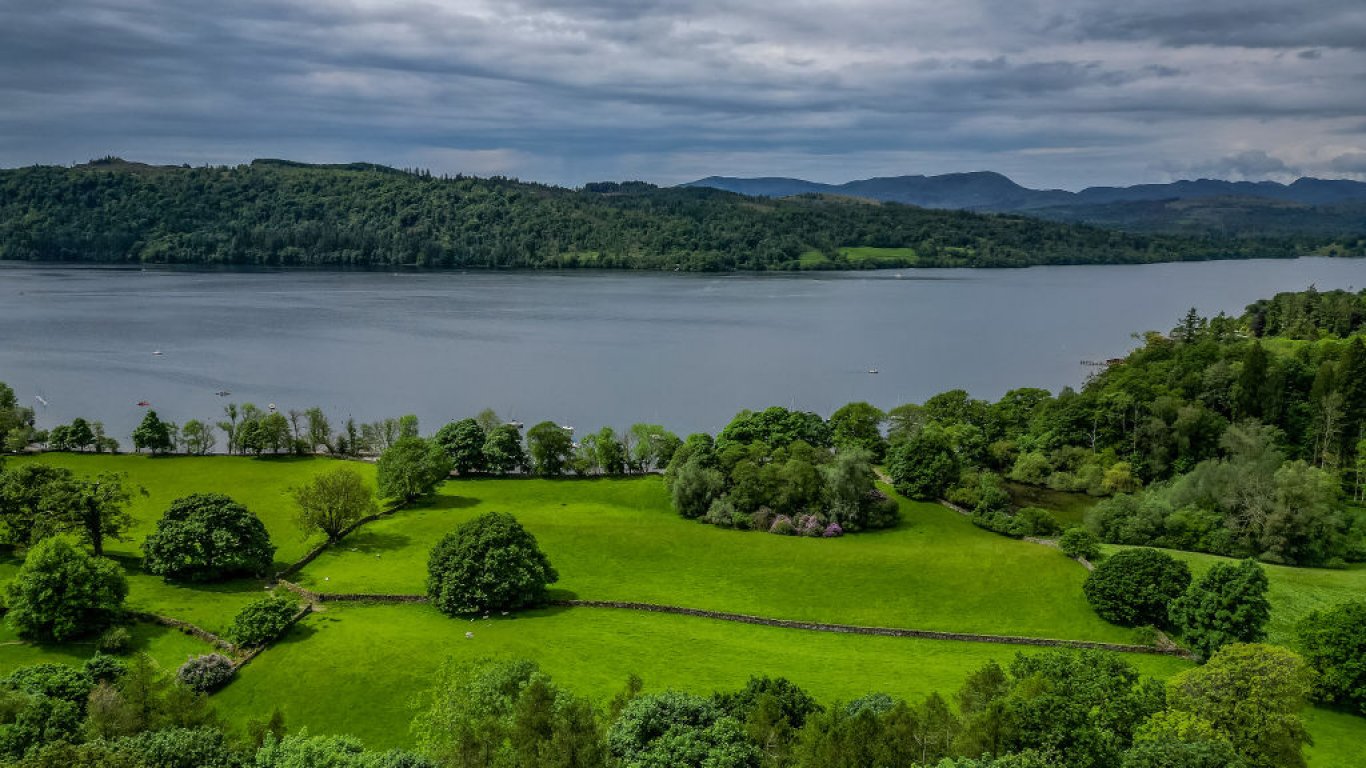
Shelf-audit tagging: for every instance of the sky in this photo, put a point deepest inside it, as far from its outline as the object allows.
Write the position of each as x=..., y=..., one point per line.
x=1054, y=93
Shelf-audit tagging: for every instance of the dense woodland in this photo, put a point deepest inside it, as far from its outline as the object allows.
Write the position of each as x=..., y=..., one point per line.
x=278, y=213
x=1238, y=436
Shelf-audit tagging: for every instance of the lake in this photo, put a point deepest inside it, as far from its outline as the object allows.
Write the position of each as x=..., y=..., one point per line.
x=584, y=348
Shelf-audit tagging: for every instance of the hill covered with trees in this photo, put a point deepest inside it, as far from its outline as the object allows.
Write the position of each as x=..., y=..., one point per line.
x=280, y=213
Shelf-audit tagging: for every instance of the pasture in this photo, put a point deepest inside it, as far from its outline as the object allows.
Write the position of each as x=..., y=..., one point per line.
x=357, y=668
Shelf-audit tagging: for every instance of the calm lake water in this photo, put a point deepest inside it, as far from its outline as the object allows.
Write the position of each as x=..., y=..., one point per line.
x=585, y=348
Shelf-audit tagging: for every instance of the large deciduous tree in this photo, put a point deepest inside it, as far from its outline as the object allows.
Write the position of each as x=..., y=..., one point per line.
x=1226, y=605
x=153, y=435
x=411, y=468
x=1135, y=587
x=208, y=537
x=333, y=501
x=61, y=592
x=1333, y=641
x=679, y=729
x=503, y=451
x=859, y=425
x=488, y=563
x=925, y=465
x=1253, y=694
x=551, y=447
x=464, y=441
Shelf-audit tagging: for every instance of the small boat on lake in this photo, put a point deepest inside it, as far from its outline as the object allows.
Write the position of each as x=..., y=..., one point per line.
x=143, y=404
x=40, y=400
x=156, y=353
x=872, y=370
x=222, y=393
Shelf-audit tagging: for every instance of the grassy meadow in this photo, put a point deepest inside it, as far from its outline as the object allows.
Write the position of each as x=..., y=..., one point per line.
x=385, y=654
x=618, y=539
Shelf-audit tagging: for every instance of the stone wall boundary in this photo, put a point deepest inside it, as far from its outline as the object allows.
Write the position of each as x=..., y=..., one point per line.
x=880, y=631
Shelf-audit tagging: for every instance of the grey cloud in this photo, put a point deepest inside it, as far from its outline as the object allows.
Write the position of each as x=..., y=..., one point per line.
x=1249, y=164
x=1352, y=162
x=566, y=91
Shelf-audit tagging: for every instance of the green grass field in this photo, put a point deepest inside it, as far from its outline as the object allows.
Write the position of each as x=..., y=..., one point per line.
x=356, y=668
x=385, y=654
x=262, y=485
x=167, y=646
x=618, y=540
x=892, y=257
x=863, y=256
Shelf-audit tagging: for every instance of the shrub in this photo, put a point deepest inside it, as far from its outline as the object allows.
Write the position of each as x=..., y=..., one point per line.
x=782, y=525
x=115, y=640
x=880, y=510
x=206, y=673
x=208, y=537
x=762, y=519
x=57, y=681
x=488, y=563
x=61, y=592
x=103, y=669
x=263, y=620
x=1033, y=521
x=695, y=487
x=1135, y=587
x=721, y=513
x=832, y=530
x=1079, y=543
x=1227, y=605
x=1334, y=643
x=810, y=525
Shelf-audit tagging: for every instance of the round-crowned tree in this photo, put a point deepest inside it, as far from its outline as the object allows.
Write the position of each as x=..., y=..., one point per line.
x=61, y=592
x=924, y=466
x=208, y=537
x=1227, y=605
x=1136, y=586
x=1334, y=643
x=411, y=468
x=489, y=563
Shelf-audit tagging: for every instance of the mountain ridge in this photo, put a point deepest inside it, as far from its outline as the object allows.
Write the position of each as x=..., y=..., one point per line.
x=994, y=192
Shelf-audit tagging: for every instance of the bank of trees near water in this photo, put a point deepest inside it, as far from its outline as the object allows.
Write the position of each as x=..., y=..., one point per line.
x=281, y=213
x=1216, y=437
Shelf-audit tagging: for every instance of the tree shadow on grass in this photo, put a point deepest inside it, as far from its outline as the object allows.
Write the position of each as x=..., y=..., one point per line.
x=366, y=541
x=441, y=501
x=302, y=630
x=132, y=566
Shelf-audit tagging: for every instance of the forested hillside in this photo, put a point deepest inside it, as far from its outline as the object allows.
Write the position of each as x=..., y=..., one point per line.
x=1237, y=436
x=280, y=213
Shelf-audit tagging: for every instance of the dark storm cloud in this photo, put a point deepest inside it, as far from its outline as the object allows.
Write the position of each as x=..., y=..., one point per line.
x=1056, y=92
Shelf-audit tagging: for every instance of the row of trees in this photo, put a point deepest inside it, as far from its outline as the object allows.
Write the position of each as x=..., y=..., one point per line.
x=1138, y=587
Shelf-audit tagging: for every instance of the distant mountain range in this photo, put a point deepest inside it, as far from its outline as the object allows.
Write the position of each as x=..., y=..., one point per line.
x=1306, y=206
